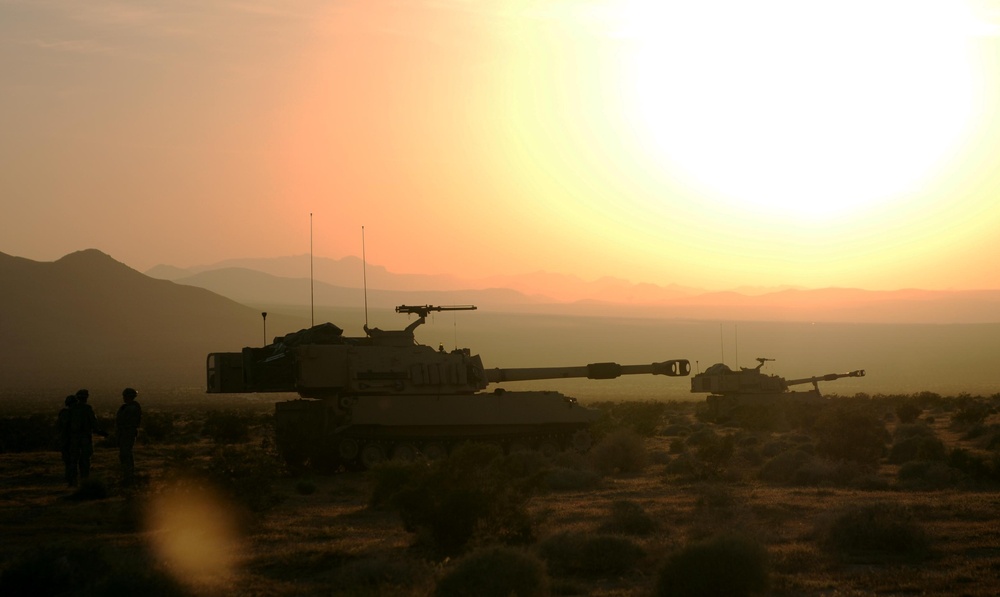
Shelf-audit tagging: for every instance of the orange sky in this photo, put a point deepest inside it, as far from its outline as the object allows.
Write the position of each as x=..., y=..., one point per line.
x=719, y=144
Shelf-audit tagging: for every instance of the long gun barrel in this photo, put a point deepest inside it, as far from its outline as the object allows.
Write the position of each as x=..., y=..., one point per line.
x=828, y=377
x=671, y=368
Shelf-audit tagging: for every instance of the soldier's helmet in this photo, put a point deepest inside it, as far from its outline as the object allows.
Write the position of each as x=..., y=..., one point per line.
x=82, y=395
x=129, y=393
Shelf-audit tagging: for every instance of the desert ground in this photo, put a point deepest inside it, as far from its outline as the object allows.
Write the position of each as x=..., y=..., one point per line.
x=860, y=495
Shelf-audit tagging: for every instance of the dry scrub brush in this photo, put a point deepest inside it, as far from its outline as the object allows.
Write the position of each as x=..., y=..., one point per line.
x=475, y=494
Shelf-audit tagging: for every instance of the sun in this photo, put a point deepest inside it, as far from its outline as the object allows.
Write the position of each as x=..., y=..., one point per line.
x=804, y=109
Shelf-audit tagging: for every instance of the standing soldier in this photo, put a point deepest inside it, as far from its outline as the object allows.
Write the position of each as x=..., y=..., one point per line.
x=89, y=425
x=67, y=445
x=127, y=426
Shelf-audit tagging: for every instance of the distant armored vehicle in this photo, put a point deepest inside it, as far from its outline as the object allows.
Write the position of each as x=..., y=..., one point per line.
x=365, y=399
x=732, y=391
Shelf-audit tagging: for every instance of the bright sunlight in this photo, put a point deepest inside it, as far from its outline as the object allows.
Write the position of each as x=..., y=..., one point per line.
x=803, y=110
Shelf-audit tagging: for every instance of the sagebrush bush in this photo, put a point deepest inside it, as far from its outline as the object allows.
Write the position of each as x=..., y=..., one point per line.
x=622, y=451
x=751, y=455
x=700, y=436
x=715, y=497
x=775, y=447
x=783, y=467
x=926, y=474
x=641, y=417
x=391, y=476
x=687, y=467
x=570, y=479
x=907, y=430
x=971, y=411
x=917, y=447
x=495, y=572
x=676, y=430
x=227, y=427
x=158, y=426
x=591, y=555
x=472, y=494
x=28, y=434
x=629, y=518
x=247, y=475
x=908, y=412
x=730, y=565
x=875, y=531
x=716, y=451
x=382, y=575
x=971, y=465
x=526, y=464
x=819, y=472
x=854, y=434
x=69, y=569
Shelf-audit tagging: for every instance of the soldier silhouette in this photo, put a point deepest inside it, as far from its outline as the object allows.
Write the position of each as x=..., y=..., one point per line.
x=86, y=423
x=68, y=445
x=127, y=421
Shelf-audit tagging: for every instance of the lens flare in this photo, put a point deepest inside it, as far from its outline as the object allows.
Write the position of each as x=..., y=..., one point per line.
x=194, y=533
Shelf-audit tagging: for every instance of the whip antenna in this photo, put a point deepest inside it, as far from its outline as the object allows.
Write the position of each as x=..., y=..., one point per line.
x=364, y=273
x=722, y=343
x=312, y=295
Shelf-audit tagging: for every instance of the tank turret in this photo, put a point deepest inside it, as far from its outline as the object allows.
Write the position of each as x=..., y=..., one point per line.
x=384, y=395
x=732, y=390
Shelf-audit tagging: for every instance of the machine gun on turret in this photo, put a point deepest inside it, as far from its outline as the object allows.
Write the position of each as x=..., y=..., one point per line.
x=424, y=310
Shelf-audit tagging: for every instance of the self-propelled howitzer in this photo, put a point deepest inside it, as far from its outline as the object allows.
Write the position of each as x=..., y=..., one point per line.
x=383, y=395
x=732, y=391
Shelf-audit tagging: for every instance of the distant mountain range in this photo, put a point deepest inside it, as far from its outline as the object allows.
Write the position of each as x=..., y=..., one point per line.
x=87, y=320
x=338, y=282
x=350, y=272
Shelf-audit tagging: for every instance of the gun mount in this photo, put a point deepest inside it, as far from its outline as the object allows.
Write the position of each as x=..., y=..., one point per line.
x=730, y=391
x=384, y=395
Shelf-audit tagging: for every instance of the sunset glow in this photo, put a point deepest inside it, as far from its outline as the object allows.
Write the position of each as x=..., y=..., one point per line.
x=713, y=144
x=789, y=110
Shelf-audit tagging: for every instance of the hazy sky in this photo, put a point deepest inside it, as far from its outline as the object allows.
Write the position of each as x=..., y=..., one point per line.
x=714, y=143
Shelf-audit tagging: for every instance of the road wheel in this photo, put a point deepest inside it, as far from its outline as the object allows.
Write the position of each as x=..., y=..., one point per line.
x=348, y=449
x=518, y=446
x=548, y=448
x=371, y=455
x=404, y=452
x=434, y=451
x=582, y=440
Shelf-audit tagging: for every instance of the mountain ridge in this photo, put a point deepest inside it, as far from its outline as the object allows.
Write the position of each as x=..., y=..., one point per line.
x=613, y=296
x=88, y=320
x=87, y=313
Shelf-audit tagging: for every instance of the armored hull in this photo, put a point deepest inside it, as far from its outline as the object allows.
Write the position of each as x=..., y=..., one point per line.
x=368, y=429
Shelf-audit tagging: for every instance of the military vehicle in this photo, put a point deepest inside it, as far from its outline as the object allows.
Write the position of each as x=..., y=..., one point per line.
x=733, y=391
x=383, y=395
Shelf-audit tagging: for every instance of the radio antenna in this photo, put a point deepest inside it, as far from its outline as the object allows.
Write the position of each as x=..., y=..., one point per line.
x=736, y=342
x=722, y=343
x=312, y=294
x=364, y=273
